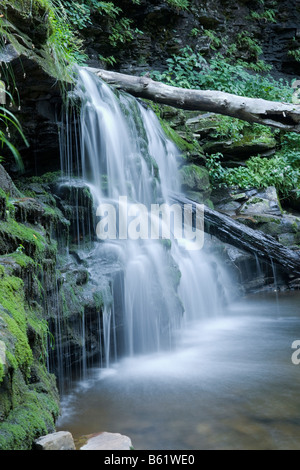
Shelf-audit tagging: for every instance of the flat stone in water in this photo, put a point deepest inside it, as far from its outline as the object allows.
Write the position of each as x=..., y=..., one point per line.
x=61, y=440
x=107, y=441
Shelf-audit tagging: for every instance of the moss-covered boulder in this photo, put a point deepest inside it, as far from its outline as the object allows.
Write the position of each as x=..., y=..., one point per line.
x=194, y=178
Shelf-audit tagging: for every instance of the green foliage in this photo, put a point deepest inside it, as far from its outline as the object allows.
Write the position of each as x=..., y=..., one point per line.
x=9, y=123
x=79, y=14
x=189, y=69
x=258, y=172
x=110, y=60
x=295, y=54
x=28, y=421
x=64, y=44
x=246, y=42
x=215, y=42
x=268, y=16
x=12, y=300
x=195, y=32
x=290, y=148
x=239, y=132
x=70, y=17
x=179, y=4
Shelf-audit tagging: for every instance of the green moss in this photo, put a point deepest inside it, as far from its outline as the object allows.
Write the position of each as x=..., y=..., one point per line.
x=13, y=234
x=29, y=401
x=15, y=317
x=28, y=421
x=195, y=178
x=20, y=259
x=47, y=178
x=44, y=33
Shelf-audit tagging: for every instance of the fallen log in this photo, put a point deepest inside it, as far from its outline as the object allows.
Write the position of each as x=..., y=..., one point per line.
x=252, y=241
x=284, y=116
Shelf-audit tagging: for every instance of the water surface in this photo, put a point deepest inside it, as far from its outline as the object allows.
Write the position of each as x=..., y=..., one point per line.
x=229, y=384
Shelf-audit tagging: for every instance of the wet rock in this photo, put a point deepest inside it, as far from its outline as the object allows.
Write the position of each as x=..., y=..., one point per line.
x=82, y=277
x=2, y=205
x=41, y=104
x=194, y=178
x=7, y=185
x=259, y=205
x=107, y=441
x=252, y=274
x=61, y=440
x=240, y=150
x=75, y=201
x=28, y=210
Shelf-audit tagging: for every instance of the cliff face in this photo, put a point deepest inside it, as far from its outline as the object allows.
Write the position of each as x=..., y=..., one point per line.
x=239, y=28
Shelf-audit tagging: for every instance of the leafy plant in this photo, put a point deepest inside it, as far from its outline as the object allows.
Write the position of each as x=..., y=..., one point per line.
x=189, y=69
x=258, y=172
x=215, y=42
x=295, y=54
x=194, y=32
x=267, y=15
x=179, y=4
x=290, y=148
x=246, y=41
x=110, y=60
x=8, y=123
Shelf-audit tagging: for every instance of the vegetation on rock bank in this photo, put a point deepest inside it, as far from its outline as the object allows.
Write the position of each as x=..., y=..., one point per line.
x=29, y=402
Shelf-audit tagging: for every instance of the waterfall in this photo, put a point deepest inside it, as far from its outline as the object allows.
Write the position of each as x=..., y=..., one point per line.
x=157, y=283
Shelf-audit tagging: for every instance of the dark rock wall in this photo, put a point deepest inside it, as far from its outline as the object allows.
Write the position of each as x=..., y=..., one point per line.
x=210, y=27
x=166, y=30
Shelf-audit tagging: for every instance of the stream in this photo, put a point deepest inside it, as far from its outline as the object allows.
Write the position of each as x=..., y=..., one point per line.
x=229, y=383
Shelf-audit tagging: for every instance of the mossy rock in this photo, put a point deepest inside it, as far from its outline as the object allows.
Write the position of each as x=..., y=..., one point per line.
x=29, y=402
x=240, y=150
x=194, y=178
x=31, y=18
x=14, y=235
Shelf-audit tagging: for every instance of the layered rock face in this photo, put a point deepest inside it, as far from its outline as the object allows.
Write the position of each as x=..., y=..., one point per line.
x=208, y=26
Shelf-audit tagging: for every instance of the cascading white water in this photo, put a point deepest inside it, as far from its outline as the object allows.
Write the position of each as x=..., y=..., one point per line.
x=125, y=156
x=223, y=386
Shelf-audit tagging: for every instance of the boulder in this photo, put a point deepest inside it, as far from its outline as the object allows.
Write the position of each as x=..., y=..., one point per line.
x=264, y=202
x=194, y=178
x=240, y=150
x=61, y=440
x=107, y=441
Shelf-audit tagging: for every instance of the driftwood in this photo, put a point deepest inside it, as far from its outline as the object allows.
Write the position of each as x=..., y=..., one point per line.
x=284, y=116
x=252, y=241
